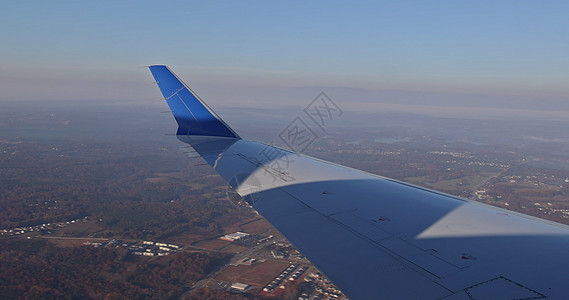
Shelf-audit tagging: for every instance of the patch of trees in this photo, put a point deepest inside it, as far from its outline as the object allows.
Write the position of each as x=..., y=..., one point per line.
x=109, y=182
x=37, y=269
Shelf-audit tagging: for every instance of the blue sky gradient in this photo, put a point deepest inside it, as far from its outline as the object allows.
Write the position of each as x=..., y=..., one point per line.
x=90, y=49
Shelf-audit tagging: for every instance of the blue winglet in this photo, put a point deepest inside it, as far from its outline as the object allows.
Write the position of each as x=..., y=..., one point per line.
x=194, y=117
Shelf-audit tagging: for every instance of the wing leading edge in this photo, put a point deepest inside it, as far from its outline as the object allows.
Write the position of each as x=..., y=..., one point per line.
x=372, y=236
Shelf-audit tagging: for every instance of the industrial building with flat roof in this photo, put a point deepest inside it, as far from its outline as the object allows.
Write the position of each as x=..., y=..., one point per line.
x=232, y=237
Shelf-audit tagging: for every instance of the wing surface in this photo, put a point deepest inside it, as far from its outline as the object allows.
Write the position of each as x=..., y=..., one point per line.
x=377, y=238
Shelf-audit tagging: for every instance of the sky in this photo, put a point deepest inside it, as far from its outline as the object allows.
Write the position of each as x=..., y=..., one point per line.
x=257, y=53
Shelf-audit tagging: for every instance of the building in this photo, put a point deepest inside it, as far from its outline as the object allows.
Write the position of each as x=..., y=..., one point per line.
x=239, y=286
x=232, y=237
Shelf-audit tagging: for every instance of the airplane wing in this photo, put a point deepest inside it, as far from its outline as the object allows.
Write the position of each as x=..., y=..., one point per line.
x=375, y=237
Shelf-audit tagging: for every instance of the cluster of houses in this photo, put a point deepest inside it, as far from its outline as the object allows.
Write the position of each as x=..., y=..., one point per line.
x=323, y=288
x=46, y=227
x=144, y=248
x=291, y=273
